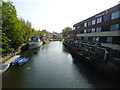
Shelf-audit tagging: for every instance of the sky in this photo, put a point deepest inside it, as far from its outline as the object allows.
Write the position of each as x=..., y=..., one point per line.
x=55, y=15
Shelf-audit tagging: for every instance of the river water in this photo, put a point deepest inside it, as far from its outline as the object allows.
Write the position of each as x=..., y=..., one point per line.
x=53, y=67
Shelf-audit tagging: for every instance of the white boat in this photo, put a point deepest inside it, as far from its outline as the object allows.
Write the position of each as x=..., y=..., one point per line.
x=35, y=42
x=3, y=67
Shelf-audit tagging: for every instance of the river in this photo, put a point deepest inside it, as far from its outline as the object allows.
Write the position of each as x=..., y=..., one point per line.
x=53, y=67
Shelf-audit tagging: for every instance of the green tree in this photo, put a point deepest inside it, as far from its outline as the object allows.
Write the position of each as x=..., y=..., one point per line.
x=42, y=34
x=65, y=31
x=11, y=26
x=28, y=30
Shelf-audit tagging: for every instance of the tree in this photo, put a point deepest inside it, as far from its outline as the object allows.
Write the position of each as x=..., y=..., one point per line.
x=15, y=31
x=11, y=26
x=28, y=30
x=65, y=31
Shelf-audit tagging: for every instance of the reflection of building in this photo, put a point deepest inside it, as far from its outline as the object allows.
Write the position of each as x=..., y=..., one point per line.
x=103, y=28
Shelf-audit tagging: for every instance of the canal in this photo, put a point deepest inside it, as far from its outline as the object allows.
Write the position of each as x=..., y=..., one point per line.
x=53, y=67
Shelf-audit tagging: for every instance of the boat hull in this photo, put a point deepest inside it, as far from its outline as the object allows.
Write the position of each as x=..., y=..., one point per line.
x=35, y=45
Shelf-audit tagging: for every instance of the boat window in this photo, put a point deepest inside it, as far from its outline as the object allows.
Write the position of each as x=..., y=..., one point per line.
x=34, y=39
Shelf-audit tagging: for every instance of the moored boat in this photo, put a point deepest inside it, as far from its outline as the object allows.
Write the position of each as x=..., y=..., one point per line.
x=35, y=42
x=22, y=61
x=3, y=67
x=19, y=61
x=15, y=62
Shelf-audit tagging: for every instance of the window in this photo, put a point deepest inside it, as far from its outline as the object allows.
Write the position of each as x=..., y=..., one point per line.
x=114, y=27
x=74, y=28
x=97, y=39
x=103, y=39
x=109, y=39
x=93, y=29
x=86, y=38
x=93, y=22
x=82, y=38
x=106, y=18
x=78, y=27
x=89, y=23
x=116, y=40
x=99, y=20
x=98, y=29
x=89, y=30
x=106, y=28
x=82, y=25
x=85, y=24
x=94, y=38
x=85, y=31
x=115, y=15
x=81, y=31
x=90, y=38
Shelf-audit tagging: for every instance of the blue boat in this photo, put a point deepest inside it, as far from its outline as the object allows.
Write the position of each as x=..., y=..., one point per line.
x=23, y=60
x=15, y=62
x=19, y=61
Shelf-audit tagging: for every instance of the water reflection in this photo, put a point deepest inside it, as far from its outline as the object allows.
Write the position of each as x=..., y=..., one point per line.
x=95, y=78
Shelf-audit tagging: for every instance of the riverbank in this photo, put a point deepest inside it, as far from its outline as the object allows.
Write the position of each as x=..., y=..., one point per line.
x=106, y=69
x=9, y=56
x=11, y=59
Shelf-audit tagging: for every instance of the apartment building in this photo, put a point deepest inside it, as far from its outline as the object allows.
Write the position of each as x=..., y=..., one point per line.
x=103, y=28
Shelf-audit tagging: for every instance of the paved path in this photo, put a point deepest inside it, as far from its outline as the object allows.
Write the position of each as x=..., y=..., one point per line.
x=11, y=59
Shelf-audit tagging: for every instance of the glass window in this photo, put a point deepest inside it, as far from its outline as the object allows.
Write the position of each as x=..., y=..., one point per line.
x=90, y=38
x=103, y=39
x=93, y=22
x=98, y=29
x=106, y=28
x=89, y=23
x=116, y=40
x=93, y=29
x=109, y=39
x=85, y=31
x=75, y=27
x=114, y=27
x=85, y=24
x=115, y=15
x=99, y=20
x=94, y=38
x=97, y=39
x=89, y=30
x=81, y=31
x=106, y=18
x=78, y=27
x=82, y=25
x=86, y=38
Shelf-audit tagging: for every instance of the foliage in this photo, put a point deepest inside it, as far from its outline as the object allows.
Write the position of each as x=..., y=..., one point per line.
x=5, y=45
x=11, y=25
x=28, y=30
x=65, y=31
x=42, y=34
x=14, y=31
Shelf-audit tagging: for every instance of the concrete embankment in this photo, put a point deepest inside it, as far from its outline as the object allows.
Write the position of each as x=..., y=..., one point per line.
x=11, y=59
x=11, y=56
